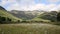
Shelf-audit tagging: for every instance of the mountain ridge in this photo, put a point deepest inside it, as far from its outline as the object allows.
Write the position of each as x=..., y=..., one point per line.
x=25, y=14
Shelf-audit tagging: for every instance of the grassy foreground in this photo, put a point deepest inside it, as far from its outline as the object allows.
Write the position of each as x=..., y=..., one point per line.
x=34, y=28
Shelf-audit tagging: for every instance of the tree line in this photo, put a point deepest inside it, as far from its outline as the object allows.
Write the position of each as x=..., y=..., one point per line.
x=4, y=19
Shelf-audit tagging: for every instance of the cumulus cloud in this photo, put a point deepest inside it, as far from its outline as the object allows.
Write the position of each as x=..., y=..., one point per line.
x=35, y=7
x=29, y=5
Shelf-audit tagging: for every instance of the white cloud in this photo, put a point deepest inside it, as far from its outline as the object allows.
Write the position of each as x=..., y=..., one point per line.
x=29, y=5
x=34, y=7
x=4, y=2
x=56, y=8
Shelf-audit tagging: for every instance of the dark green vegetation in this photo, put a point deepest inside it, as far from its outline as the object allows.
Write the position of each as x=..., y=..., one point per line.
x=34, y=28
x=58, y=16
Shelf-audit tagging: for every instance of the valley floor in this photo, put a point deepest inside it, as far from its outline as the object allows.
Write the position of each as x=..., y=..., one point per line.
x=32, y=28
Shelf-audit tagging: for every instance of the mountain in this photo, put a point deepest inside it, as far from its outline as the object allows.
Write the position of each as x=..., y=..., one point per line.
x=49, y=16
x=26, y=15
x=36, y=15
x=6, y=16
x=1, y=8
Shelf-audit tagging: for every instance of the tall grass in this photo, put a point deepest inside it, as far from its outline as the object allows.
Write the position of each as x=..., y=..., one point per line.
x=29, y=29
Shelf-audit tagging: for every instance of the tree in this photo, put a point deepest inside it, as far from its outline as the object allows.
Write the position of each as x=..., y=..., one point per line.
x=8, y=19
x=58, y=16
x=3, y=19
x=18, y=21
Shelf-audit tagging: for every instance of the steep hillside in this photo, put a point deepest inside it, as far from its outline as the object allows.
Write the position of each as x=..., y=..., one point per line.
x=1, y=8
x=6, y=15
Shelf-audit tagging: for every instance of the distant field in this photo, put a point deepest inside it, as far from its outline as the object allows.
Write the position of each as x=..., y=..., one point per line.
x=25, y=28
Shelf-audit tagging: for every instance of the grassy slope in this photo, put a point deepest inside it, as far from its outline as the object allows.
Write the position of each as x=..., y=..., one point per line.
x=4, y=13
x=46, y=17
x=40, y=19
x=29, y=29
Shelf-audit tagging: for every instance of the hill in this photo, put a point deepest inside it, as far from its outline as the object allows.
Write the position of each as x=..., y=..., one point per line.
x=7, y=17
x=47, y=16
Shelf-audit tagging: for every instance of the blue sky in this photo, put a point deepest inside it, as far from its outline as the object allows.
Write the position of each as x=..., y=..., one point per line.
x=30, y=4
x=48, y=1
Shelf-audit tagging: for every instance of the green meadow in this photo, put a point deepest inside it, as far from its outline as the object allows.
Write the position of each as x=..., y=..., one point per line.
x=29, y=28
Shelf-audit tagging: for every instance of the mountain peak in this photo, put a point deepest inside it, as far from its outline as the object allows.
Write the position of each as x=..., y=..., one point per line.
x=1, y=8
